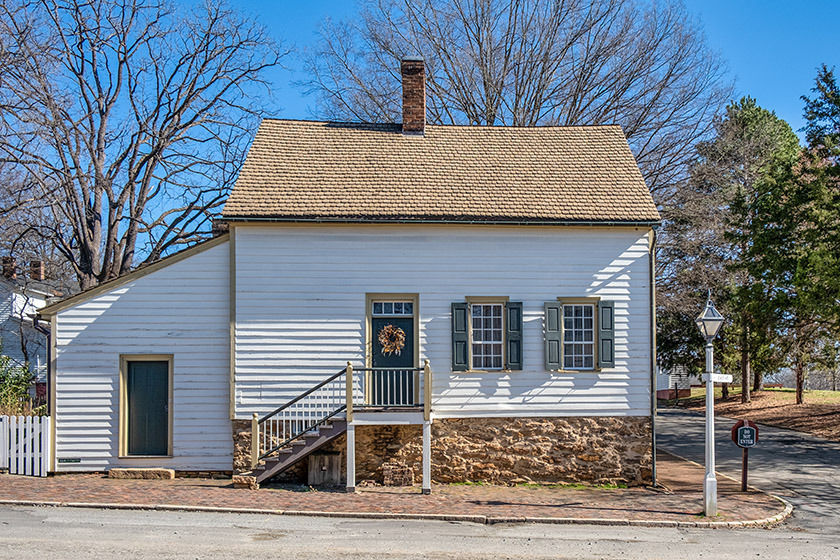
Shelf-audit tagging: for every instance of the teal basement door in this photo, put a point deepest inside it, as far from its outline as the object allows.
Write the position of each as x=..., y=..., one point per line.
x=148, y=408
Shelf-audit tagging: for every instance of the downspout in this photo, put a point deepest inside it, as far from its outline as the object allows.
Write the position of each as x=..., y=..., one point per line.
x=47, y=333
x=652, y=277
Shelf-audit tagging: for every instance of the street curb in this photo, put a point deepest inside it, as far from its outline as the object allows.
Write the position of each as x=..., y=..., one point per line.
x=772, y=520
x=478, y=519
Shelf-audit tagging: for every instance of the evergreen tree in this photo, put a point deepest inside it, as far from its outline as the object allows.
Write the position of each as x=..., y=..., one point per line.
x=713, y=226
x=758, y=153
x=822, y=114
x=796, y=244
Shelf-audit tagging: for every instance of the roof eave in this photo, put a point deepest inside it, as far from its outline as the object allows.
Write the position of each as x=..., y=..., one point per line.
x=451, y=221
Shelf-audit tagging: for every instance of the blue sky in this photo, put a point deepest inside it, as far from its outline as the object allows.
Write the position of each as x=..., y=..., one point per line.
x=772, y=47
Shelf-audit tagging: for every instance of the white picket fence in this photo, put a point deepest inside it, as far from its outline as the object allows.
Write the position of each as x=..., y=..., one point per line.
x=25, y=444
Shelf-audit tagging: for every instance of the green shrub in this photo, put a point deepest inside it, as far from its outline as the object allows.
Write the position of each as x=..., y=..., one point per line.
x=14, y=388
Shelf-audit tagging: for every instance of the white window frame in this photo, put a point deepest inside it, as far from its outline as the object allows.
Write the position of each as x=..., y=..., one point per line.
x=574, y=330
x=485, y=330
x=391, y=308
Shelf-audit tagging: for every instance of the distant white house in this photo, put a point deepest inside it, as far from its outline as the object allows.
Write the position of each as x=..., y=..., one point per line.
x=675, y=382
x=21, y=296
x=470, y=303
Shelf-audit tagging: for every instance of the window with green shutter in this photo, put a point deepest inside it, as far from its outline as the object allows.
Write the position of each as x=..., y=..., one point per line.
x=486, y=335
x=579, y=334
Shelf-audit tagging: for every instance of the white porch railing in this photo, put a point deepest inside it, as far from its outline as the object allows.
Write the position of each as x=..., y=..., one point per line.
x=25, y=444
x=4, y=443
x=297, y=417
x=348, y=390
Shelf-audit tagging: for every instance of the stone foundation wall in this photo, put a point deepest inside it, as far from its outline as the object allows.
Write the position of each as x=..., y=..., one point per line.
x=241, y=446
x=606, y=450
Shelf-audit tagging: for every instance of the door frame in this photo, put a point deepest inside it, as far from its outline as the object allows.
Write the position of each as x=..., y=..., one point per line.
x=123, y=410
x=381, y=296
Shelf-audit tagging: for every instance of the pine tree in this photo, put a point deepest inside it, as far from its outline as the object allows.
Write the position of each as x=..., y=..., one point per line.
x=796, y=244
x=714, y=226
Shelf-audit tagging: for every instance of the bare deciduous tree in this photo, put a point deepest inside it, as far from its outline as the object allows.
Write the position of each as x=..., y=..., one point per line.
x=645, y=66
x=127, y=120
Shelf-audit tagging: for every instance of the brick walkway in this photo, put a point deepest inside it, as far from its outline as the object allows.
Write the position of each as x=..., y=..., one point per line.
x=681, y=502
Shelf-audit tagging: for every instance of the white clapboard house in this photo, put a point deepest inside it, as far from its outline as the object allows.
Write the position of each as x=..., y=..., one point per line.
x=22, y=292
x=472, y=303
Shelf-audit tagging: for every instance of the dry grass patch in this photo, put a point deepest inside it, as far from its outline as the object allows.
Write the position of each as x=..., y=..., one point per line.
x=819, y=415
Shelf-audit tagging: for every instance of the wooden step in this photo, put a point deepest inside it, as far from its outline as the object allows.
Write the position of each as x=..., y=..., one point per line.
x=298, y=450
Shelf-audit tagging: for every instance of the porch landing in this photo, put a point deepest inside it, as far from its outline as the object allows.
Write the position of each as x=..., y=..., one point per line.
x=388, y=416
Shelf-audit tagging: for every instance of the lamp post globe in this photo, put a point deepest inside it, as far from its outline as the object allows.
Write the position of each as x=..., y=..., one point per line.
x=709, y=322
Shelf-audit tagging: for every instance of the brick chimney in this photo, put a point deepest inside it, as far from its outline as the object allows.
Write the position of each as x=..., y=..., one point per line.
x=9, y=268
x=413, y=70
x=220, y=227
x=37, y=271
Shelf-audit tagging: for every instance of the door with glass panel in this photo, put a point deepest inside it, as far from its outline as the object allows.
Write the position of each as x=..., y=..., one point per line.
x=391, y=382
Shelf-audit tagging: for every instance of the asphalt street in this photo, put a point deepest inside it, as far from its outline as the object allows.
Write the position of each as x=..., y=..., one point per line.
x=28, y=533
x=803, y=469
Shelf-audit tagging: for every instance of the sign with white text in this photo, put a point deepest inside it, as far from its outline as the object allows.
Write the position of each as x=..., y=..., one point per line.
x=746, y=437
x=718, y=378
x=745, y=434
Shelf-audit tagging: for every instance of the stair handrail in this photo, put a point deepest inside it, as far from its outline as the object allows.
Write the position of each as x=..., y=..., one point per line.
x=256, y=454
x=308, y=429
x=302, y=396
x=298, y=427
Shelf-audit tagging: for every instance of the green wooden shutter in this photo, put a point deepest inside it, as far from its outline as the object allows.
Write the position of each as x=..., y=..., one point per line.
x=553, y=334
x=513, y=335
x=606, y=334
x=460, y=336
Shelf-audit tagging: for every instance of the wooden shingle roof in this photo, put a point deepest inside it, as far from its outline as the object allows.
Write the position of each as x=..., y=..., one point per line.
x=362, y=172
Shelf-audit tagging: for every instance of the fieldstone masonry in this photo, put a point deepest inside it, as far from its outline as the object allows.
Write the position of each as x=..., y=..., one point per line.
x=153, y=473
x=397, y=474
x=543, y=450
x=241, y=446
x=604, y=450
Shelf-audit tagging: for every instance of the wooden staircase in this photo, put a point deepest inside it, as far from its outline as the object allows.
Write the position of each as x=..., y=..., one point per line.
x=298, y=450
x=295, y=430
x=318, y=416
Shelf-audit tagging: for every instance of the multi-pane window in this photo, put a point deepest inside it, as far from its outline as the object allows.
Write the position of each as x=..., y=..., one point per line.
x=393, y=308
x=578, y=336
x=487, y=329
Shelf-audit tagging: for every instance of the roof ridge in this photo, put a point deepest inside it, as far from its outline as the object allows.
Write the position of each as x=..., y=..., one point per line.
x=431, y=125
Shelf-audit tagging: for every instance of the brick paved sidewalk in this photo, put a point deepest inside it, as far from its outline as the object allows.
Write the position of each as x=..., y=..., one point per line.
x=681, y=502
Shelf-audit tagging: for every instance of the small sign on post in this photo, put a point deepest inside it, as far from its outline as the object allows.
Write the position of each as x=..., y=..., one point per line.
x=744, y=435
x=717, y=378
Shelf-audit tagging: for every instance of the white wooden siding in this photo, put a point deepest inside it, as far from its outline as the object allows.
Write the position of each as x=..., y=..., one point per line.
x=300, y=309
x=182, y=310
